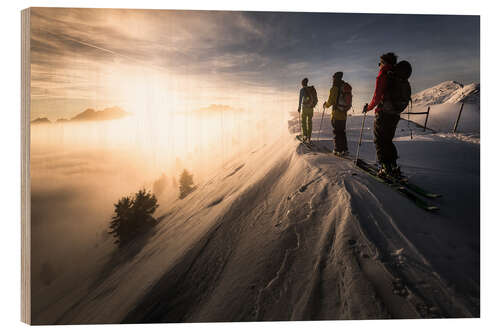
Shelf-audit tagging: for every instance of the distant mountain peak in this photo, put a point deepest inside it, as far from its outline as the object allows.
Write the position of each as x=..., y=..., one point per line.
x=448, y=92
x=454, y=82
x=90, y=114
x=39, y=121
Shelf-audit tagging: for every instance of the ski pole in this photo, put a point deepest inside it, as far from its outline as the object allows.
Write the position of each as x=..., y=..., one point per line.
x=299, y=123
x=321, y=123
x=360, y=137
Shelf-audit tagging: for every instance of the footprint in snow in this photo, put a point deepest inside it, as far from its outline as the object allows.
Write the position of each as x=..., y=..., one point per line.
x=235, y=171
x=215, y=202
x=399, y=288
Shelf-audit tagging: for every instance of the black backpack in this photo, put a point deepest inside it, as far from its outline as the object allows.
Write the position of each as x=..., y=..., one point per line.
x=398, y=92
x=311, y=97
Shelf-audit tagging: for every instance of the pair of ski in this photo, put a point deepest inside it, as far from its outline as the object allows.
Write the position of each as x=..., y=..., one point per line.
x=409, y=190
x=305, y=143
x=402, y=186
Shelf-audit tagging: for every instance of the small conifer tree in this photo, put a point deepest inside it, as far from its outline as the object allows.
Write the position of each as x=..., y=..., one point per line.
x=186, y=184
x=133, y=215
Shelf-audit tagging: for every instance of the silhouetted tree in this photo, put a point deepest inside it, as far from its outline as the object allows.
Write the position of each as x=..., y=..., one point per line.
x=133, y=216
x=186, y=184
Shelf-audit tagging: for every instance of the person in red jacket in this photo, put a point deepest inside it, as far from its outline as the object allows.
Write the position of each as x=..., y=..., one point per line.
x=384, y=126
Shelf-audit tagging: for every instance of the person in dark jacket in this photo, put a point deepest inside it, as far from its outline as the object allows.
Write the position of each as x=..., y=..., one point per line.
x=384, y=127
x=339, y=115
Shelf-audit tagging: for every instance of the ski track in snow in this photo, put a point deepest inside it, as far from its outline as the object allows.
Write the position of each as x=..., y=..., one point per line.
x=290, y=233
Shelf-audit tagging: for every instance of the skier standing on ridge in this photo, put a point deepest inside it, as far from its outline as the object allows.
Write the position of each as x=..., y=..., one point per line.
x=340, y=100
x=392, y=95
x=308, y=99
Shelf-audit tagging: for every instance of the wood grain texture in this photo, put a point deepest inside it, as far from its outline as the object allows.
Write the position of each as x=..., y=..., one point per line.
x=25, y=167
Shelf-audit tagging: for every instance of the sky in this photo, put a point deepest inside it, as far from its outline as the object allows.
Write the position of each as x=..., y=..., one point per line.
x=185, y=60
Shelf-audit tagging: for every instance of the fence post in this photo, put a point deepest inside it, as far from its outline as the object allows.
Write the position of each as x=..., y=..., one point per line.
x=458, y=118
x=427, y=117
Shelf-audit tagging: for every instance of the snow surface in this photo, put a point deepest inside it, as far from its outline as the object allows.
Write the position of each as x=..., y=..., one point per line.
x=442, y=118
x=286, y=233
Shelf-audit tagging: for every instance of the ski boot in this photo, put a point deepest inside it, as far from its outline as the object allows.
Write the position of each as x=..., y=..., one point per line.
x=395, y=171
x=301, y=138
x=390, y=170
x=384, y=170
x=342, y=153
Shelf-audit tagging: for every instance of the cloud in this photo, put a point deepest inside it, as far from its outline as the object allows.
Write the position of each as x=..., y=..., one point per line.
x=218, y=108
x=75, y=52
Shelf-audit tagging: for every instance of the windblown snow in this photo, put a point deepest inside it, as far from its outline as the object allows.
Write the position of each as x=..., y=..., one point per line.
x=284, y=232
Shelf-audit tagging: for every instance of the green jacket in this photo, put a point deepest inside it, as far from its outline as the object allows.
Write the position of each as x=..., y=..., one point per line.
x=332, y=101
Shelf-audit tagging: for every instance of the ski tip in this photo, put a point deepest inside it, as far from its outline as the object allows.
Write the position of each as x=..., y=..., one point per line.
x=431, y=195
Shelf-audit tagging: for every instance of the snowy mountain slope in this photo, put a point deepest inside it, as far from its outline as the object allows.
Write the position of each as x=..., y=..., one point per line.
x=287, y=233
x=468, y=94
x=445, y=101
x=447, y=92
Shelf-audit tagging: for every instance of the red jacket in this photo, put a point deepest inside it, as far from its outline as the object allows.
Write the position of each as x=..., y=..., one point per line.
x=380, y=87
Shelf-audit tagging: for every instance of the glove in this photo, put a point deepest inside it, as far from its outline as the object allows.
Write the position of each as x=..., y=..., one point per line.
x=365, y=108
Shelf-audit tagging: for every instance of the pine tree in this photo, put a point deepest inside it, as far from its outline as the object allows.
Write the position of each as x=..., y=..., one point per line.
x=186, y=184
x=133, y=216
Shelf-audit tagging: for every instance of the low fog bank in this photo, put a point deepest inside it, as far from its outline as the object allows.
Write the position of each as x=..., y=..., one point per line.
x=78, y=171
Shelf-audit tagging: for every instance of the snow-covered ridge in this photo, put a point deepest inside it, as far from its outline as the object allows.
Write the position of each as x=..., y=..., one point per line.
x=289, y=233
x=448, y=92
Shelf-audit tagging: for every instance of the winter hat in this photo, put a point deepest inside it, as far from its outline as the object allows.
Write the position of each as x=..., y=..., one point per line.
x=338, y=75
x=389, y=58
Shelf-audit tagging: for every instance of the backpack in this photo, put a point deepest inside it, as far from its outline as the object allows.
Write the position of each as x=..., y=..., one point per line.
x=344, y=101
x=310, y=97
x=398, y=92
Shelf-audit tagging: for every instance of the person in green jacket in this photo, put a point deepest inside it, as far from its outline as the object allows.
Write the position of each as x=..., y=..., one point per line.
x=340, y=100
x=307, y=101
